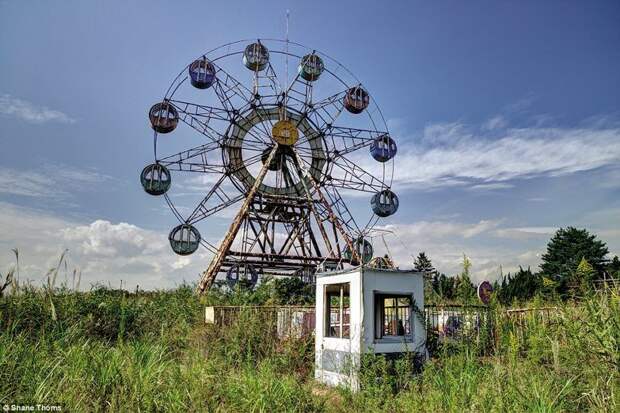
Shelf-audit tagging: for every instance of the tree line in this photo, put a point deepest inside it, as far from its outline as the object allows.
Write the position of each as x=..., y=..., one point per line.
x=574, y=263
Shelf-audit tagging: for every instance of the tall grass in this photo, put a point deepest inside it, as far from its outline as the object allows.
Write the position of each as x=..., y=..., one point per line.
x=110, y=350
x=568, y=362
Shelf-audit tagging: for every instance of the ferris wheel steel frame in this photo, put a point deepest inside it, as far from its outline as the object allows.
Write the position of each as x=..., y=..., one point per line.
x=294, y=139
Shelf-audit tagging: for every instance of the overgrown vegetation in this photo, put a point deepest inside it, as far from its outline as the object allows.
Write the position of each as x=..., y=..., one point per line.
x=574, y=264
x=113, y=350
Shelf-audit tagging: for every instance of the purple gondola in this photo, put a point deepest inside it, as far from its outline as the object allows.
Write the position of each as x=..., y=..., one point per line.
x=202, y=73
x=383, y=148
x=384, y=203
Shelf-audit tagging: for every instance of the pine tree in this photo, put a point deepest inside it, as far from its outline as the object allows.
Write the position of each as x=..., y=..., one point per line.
x=446, y=290
x=613, y=269
x=522, y=286
x=424, y=265
x=465, y=290
x=565, y=251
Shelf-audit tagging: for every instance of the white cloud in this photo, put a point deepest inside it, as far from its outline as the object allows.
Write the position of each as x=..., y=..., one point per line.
x=443, y=229
x=106, y=252
x=25, y=183
x=525, y=232
x=109, y=252
x=489, y=156
x=491, y=186
x=445, y=242
x=453, y=154
x=102, y=238
x=49, y=181
x=30, y=112
x=496, y=122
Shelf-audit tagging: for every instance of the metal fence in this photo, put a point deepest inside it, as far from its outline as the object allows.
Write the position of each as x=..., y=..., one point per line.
x=287, y=321
x=444, y=324
x=459, y=324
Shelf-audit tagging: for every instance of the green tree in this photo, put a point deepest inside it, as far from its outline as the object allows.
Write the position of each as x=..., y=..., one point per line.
x=565, y=251
x=292, y=290
x=444, y=287
x=465, y=290
x=521, y=286
x=613, y=269
x=423, y=264
x=584, y=275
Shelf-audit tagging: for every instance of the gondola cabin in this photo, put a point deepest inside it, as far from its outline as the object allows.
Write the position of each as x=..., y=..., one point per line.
x=202, y=73
x=356, y=99
x=155, y=179
x=311, y=67
x=256, y=57
x=384, y=203
x=184, y=239
x=363, y=249
x=164, y=117
x=383, y=148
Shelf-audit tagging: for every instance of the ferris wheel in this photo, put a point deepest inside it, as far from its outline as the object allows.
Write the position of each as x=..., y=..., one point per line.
x=287, y=148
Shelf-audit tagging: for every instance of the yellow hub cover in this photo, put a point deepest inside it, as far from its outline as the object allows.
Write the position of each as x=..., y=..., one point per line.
x=285, y=133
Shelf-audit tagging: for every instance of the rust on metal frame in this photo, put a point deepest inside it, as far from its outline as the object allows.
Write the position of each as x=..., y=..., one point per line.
x=209, y=275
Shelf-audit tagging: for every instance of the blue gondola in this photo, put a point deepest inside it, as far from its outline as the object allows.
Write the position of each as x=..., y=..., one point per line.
x=184, y=239
x=164, y=117
x=356, y=100
x=383, y=148
x=241, y=272
x=384, y=203
x=363, y=249
x=155, y=179
x=202, y=73
x=311, y=67
x=256, y=56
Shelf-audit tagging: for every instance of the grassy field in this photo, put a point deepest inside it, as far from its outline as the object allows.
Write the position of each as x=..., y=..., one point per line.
x=109, y=350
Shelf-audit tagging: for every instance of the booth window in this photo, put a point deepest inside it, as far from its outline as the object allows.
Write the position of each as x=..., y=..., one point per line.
x=337, y=311
x=392, y=316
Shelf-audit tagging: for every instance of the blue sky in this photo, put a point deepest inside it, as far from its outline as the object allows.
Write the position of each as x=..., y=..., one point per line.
x=507, y=116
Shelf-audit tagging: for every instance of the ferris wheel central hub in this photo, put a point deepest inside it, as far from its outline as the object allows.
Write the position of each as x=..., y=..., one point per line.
x=285, y=132
x=295, y=130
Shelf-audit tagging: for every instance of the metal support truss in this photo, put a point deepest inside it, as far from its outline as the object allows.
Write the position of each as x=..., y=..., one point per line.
x=209, y=275
x=292, y=219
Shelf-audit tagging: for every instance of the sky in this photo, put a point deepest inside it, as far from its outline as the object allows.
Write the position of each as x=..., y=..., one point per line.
x=506, y=115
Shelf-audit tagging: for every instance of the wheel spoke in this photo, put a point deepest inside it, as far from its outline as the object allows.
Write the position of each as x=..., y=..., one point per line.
x=229, y=90
x=340, y=209
x=325, y=112
x=195, y=159
x=216, y=199
x=269, y=77
x=343, y=140
x=354, y=177
x=198, y=118
x=299, y=94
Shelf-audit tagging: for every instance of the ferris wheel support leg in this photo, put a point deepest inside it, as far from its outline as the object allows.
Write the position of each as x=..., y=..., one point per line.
x=328, y=244
x=330, y=213
x=209, y=275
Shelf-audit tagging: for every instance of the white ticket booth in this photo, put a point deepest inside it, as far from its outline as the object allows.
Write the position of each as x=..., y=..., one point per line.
x=365, y=310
